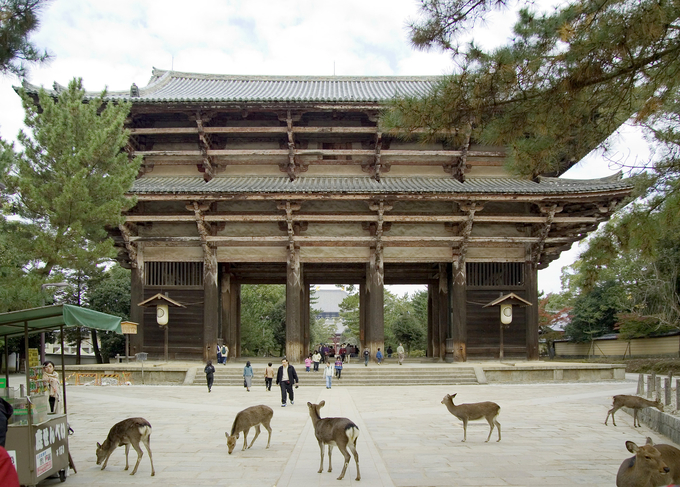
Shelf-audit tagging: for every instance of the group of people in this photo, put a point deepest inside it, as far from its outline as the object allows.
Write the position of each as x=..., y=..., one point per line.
x=401, y=355
x=222, y=354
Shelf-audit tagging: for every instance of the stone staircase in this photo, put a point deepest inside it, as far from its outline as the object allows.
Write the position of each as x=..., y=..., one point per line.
x=354, y=375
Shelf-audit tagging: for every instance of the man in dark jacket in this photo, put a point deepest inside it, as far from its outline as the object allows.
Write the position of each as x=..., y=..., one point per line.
x=285, y=378
x=6, y=410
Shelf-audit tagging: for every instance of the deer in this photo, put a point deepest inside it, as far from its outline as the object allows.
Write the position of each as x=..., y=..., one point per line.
x=471, y=412
x=652, y=466
x=246, y=419
x=635, y=403
x=127, y=432
x=340, y=432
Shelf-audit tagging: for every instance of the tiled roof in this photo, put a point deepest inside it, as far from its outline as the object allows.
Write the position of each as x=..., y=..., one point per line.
x=363, y=185
x=173, y=86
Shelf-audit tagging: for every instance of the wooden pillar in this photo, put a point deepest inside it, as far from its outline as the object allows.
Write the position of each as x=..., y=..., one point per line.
x=442, y=299
x=306, y=331
x=211, y=301
x=375, y=296
x=231, y=316
x=432, y=323
x=458, y=315
x=531, y=284
x=363, y=318
x=294, y=294
x=137, y=296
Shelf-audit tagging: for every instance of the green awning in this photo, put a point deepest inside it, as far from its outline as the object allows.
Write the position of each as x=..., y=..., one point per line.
x=48, y=318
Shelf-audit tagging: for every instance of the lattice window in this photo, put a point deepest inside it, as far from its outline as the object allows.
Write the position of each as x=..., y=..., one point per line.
x=495, y=274
x=169, y=274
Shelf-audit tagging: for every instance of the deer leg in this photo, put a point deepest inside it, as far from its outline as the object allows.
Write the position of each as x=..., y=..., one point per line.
x=330, y=450
x=611, y=411
x=491, y=425
x=269, y=429
x=106, y=460
x=257, y=433
x=464, y=430
x=321, y=465
x=127, y=450
x=140, y=454
x=245, y=439
x=636, y=421
x=498, y=425
x=347, y=456
x=147, y=441
x=353, y=448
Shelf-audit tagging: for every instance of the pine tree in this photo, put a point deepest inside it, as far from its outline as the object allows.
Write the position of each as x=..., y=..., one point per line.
x=559, y=88
x=18, y=19
x=71, y=178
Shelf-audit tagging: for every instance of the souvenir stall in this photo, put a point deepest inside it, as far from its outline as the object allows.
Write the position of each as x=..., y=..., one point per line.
x=37, y=439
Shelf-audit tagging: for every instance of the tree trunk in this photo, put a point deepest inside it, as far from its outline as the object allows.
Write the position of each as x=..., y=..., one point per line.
x=79, y=339
x=95, y=347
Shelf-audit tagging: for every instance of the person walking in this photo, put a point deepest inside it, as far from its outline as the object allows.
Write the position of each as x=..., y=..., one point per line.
x=316, y=358
x=52, y=378
x=308, y=362
x=379, y=356
x=328, y=374
x=285, y=378
x=367, y=355
x=225, y=354
x=338, y=367
x=268, y=376
x=248, y=376
x=400, y=354
x=209, y=374
x=389, y=351
x=219, y=354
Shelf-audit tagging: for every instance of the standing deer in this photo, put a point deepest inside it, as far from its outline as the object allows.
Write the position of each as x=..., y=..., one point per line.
x=635, y=403
x=246, y=419
x=128, y=432
x=471, y=412
x=652, y=466
x=340, y=432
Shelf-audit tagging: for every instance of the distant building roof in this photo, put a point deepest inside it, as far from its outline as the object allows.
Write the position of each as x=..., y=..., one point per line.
x=328, y=300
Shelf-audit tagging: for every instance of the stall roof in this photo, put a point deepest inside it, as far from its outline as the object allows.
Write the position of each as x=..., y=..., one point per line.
x=49, y=318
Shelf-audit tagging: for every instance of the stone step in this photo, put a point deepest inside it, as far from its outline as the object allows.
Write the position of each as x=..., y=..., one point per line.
x=359, y=376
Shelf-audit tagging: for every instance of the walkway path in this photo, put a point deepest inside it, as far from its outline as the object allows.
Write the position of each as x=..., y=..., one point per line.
x=553, y=434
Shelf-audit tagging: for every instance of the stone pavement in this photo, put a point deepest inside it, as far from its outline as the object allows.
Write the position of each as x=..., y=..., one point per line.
x=551, y=434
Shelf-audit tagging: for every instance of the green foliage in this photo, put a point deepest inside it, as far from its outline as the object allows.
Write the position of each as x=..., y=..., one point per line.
x=18, y=20
x=564, y=82
x=594, y=313
x=263, y=320
x=71, y=177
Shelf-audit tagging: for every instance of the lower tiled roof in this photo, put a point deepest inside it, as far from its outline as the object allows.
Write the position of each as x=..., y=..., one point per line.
x=363, y=185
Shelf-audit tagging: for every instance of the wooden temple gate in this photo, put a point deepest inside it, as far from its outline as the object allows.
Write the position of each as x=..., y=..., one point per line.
x=290, y=180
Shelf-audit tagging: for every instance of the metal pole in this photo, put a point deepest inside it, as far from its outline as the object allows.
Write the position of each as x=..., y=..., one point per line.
x=127, y=348
x=28, y=375
x=165, y=347
x=63, y=367
x=500, y=351
x=6, y=363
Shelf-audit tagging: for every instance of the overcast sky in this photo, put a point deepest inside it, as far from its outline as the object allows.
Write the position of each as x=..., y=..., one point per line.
x=114, y=43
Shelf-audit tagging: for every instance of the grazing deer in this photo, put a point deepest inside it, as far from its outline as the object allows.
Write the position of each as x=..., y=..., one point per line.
x=635, y=403
x=340, y=432
x=471, y=412
x=652, y=466
x=246, y=419
x=128, y=432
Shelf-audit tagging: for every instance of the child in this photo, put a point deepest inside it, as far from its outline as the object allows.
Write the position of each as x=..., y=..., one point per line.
x=338, y=367
x=308, y=363
x=379, y=356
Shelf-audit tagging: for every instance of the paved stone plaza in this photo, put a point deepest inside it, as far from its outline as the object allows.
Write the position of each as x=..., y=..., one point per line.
x=553, y=434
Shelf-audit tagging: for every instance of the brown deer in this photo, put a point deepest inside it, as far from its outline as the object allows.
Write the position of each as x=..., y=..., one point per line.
x=652, y=466
x=471, y=412
x=128, y=432
x=635, y=403
x=340, y=432
x=246, y=419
